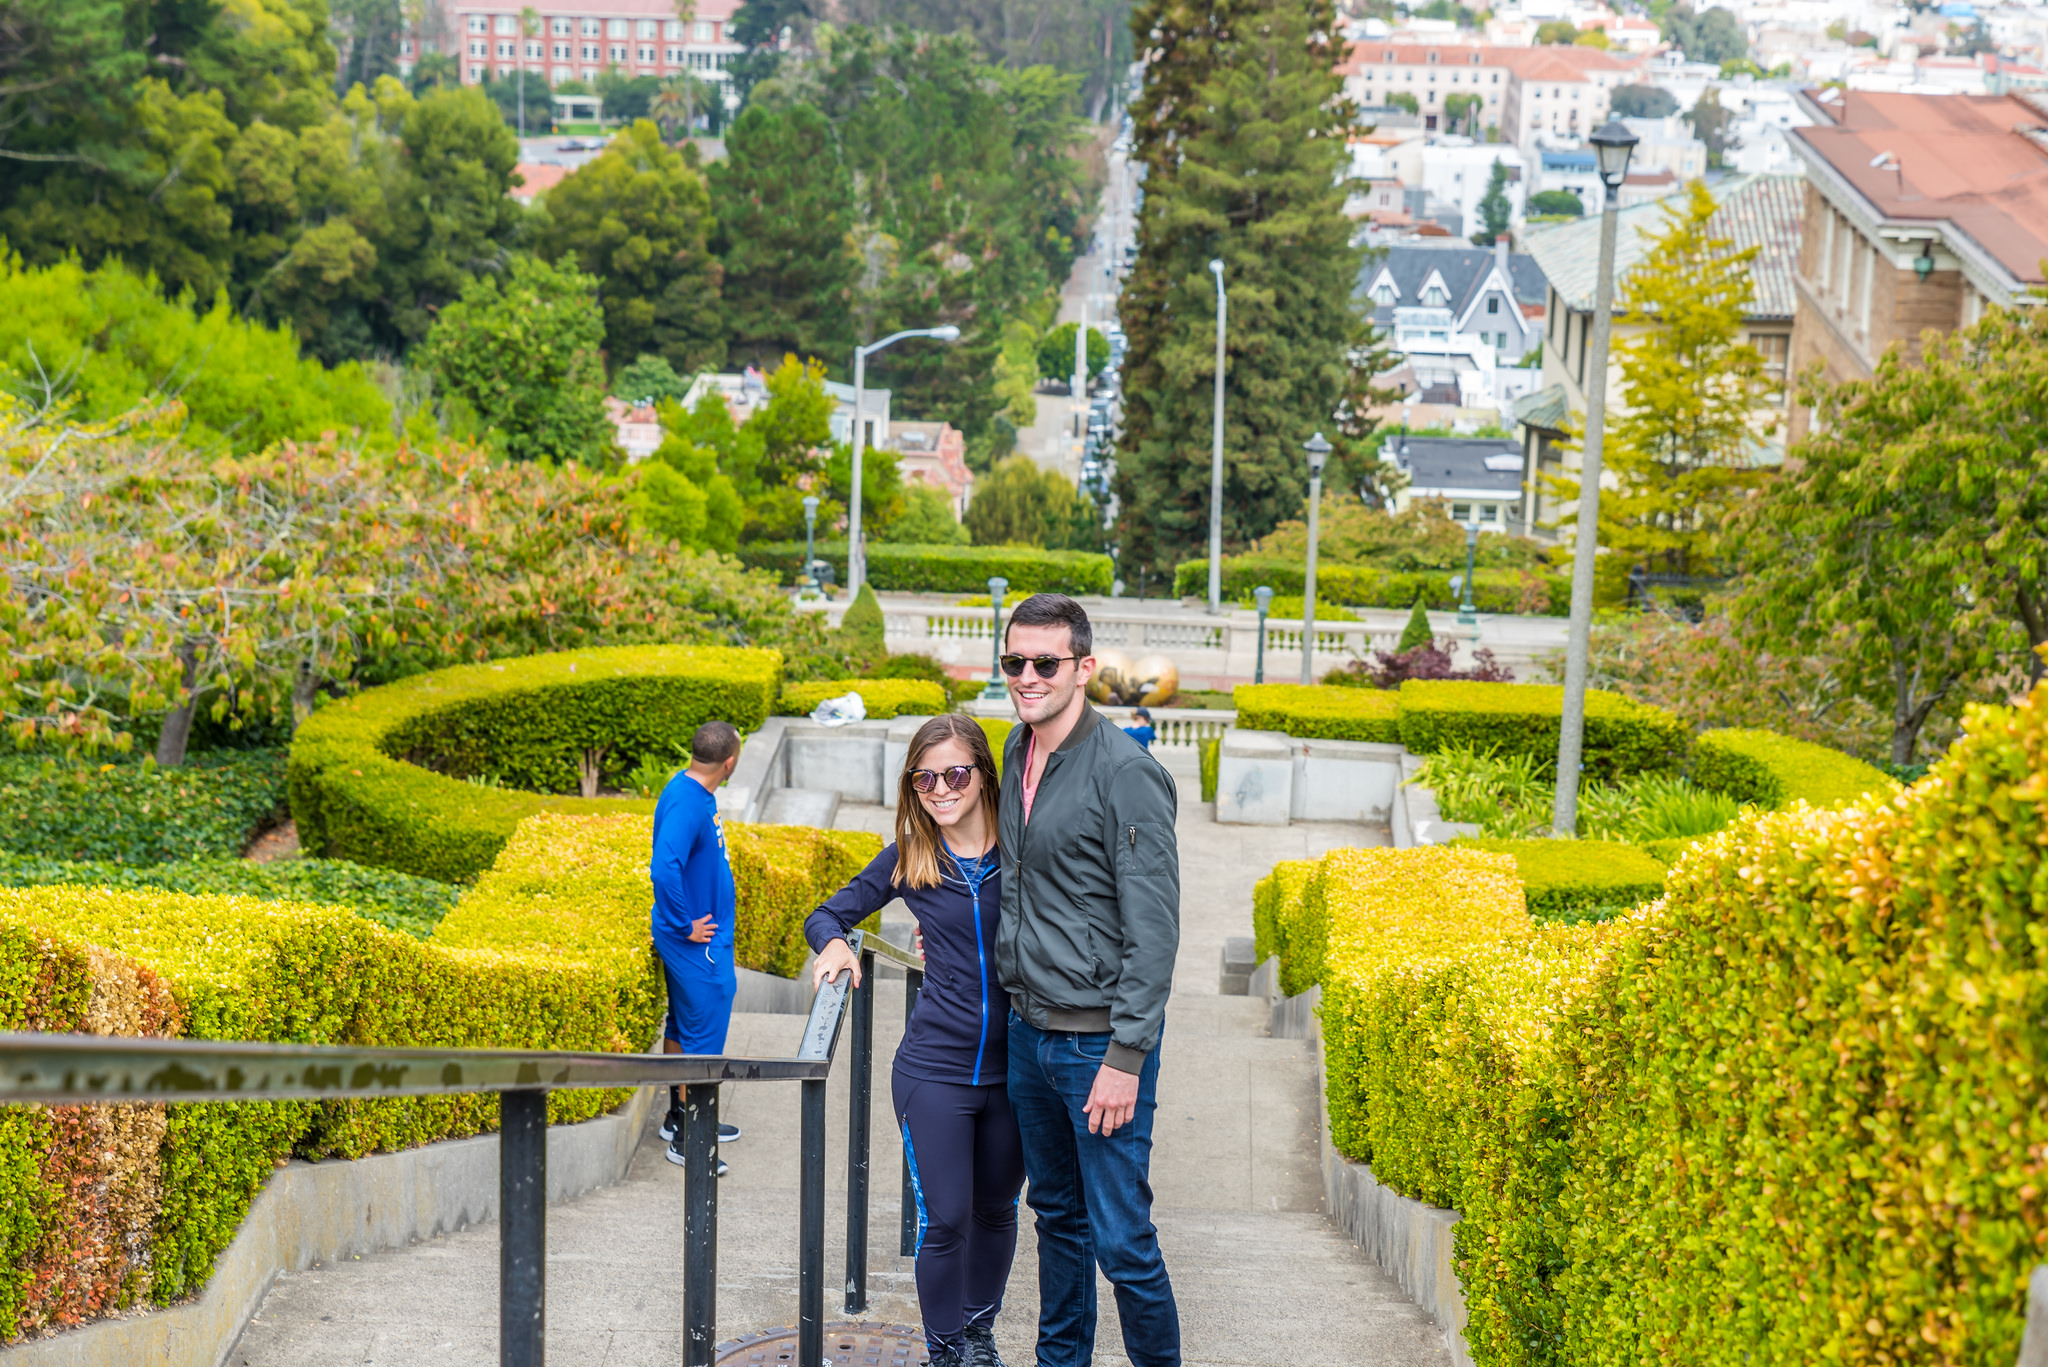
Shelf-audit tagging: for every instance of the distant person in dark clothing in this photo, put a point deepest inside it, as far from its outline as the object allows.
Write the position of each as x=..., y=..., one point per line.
x=1140, y=729
x=694, y=909
x=966, y=1161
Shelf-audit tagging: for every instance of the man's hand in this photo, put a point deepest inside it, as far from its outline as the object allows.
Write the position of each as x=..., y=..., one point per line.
x=1112, y=1101
x=702, y=929
x=835, y=958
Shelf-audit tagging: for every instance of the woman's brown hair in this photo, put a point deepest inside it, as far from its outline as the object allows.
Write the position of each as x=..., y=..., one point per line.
x=918, y=842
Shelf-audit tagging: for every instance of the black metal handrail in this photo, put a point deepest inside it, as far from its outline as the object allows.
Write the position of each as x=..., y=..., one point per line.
x=56, y=1069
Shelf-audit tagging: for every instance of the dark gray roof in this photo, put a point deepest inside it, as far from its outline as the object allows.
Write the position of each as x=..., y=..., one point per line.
x=1460, y=463
x=1463, y=270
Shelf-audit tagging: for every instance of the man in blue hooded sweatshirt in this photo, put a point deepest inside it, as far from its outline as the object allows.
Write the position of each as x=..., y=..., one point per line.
x=694, y=911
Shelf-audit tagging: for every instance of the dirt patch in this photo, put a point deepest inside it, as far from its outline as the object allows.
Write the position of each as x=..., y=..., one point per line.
x=279, y=842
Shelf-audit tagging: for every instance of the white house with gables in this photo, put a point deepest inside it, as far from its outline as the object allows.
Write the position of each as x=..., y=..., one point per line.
x=1433, y=299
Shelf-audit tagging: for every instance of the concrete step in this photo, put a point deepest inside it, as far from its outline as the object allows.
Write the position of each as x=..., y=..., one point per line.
x=801, y=807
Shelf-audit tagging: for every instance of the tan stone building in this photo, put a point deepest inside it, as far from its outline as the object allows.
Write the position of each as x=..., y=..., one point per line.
x=1921, y=211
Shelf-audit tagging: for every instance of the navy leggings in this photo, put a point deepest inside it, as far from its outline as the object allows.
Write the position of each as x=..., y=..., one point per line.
x=966, y=1168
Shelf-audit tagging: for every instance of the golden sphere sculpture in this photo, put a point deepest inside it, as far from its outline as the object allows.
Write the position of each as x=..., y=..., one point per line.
x=1118, y=682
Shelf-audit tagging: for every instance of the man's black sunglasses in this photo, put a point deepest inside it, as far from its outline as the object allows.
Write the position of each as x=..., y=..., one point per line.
x=1046, y=665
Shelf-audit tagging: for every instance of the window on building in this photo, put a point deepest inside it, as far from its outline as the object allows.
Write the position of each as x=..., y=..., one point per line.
x=561, y=28
x=648, y=28
x=476, y=73
x=619, y=28
x=1461, y=512
x=1493, y=303
x=618, y=52
x=701, y=30
x=562, y=54
x=479, y=24
x=674, y=56
x=504, y=49
x=1432, y=57
x=592, y=28
x=1435, y=297
x=1383, y=293
x=672, y=30
x=1775, y=348
x=508, y=24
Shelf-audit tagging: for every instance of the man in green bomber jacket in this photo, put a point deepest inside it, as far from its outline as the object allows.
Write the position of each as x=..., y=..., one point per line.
x=1085, y=948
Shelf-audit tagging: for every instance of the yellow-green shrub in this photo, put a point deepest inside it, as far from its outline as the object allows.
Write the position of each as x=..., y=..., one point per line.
x=1209, y=756
x=883, y=698
x=1276, y=905
x=359, y=791
x=997, y=729
x=1574, y=880
x=550, y=950
x=1319, y=711
x=1771, y=770
x=1622, y=737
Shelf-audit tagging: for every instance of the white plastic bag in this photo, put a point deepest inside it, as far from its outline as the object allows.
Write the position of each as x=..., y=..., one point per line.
x=840, y=711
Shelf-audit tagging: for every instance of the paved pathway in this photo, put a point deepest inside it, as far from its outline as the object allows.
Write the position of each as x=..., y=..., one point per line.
x=1262, y=1278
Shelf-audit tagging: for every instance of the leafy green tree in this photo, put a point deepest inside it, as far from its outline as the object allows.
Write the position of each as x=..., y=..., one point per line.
x=796, y=425
x=1056, y=353
x=1711, y=35
x=863, y=631
x=683, y=495
x=1241, y=130
x=927, y=519
x=1088, y=40
x=1682, y=445
x=1642, y=102
x=1710, y=124
x=524, y=355
x=109, y=341
x=1494, y=209
x=649, y=377
x=1463, y=108
x=638, y=217
x=1018, y=504
x=1403, y=99
x=1556, y=31
x=1556, y=202
x=1418, y=632
x=783, y=202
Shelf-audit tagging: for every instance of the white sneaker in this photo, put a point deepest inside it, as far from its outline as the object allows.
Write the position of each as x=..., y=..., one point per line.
x=677, y=1158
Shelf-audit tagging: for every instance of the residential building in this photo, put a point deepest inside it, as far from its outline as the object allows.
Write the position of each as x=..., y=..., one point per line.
x=577, y=39
x=1560, y=94
x=1765, y=212
x=743, y=393
x=1574, y=170
x=1524, y=92
x=635, y=426
x=1667, y=145
x=1456, y=173
x=1922, y=211
x=1478, y=479
x=874, y=404
x=935, y=454
x=1426, y=297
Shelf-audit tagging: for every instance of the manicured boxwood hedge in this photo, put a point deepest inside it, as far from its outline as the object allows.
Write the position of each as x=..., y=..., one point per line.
x=549, y=950
x=1366, y=586
x=1579, y=880
x=1209, y=753
x=1793, y=1111
x=1320, y=711
x=1771, y=770
x=1621, y=737
x=360, y=789
x=883, y=698
x=947, y=569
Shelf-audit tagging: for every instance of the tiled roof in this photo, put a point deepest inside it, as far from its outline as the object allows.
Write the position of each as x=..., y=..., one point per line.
x=1975, y=162
x=1547, y=410
x=1463, y=270
x=1554, y=63
x=1753, y=211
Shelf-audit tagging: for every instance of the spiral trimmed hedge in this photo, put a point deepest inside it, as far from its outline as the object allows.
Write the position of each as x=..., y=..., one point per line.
x=1771, y=770
x=1794, y=1110
x=104, y=1206
x=384, y=777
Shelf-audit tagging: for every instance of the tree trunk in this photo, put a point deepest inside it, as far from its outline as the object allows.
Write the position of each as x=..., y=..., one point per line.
x=588, y=768
x=170, y=742
x=305, y=689
x=2034, y=616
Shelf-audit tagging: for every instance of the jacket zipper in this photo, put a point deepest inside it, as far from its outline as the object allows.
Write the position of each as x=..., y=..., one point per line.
x=1134, y=841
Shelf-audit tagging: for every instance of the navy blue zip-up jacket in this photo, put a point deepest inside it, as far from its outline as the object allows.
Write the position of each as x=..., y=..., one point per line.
x=958, y=1033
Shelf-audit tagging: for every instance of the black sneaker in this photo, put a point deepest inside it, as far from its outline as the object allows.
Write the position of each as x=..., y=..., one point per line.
x=981, y=1346
x=671, y=1124
x=948, y=1357
x=677, y=1157
x=727, y=1133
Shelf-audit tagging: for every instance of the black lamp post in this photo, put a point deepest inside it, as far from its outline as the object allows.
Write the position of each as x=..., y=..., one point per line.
x=809, y=578
x=1468, y=611
x=1263, y=596
x=995, y=691
x=1318, y=452
x=1613, y=146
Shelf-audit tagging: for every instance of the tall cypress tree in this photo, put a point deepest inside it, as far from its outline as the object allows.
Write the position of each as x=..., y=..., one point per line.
x=1241, y=132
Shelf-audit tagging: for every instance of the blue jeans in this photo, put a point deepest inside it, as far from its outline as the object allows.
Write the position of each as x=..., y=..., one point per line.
x=1093, y=1199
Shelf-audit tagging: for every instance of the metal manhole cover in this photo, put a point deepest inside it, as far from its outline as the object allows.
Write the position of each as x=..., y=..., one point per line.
x=846, y=1345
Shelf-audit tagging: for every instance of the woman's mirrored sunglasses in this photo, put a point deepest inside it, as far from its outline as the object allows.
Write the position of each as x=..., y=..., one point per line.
x=1046, y=665
x=957, y=777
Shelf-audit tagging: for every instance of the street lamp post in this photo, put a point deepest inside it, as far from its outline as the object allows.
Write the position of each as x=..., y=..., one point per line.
x=1468, y=611
x=1318, y=452
x=1263, y=596
x=1612, y=145
x=856, y=562
x=1216, y=454
x=995, y=692
x=808, y=579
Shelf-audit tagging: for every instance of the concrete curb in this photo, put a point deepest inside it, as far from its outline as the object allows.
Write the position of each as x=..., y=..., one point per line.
x=1411, y=1241
x=322, y=1212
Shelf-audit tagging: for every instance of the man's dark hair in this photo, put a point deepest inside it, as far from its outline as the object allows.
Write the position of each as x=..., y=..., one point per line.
x=715, y=743
x=1054, y=610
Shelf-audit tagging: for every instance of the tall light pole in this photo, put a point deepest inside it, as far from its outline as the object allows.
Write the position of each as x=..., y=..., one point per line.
x=995, y=692
x=1216, y=455
x=1262, y=596
x=1612, y=145
x=856, y=559
x=1318, y=452
x=1468, y=611
x=806, y=580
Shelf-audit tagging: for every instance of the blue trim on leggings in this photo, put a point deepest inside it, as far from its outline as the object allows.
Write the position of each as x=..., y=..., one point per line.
x=916, y=1188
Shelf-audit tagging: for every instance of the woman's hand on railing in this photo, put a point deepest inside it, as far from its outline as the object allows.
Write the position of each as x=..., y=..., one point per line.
x=834, y=959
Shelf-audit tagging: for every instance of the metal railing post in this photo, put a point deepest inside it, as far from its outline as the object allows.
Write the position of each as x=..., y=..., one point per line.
x=810, y=1299
x=700, y=1223
x=913, y=983
x=522, y=1227
x=860, y=1125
